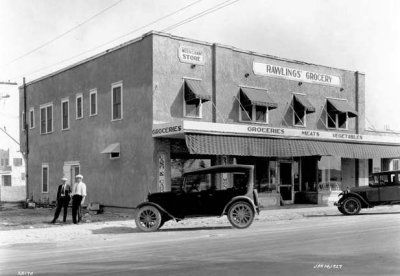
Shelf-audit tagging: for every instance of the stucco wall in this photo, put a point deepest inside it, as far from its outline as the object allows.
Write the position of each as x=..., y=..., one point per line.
x=119, y=182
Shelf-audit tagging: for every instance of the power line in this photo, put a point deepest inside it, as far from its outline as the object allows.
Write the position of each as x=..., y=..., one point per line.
x=115, y=39
x=62, y=34
x=203, y=13
x=180, y=23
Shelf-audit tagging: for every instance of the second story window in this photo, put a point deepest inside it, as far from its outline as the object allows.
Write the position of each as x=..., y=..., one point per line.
x=31, y=118
x=93, y=102
x=337, y=113
x=194, y=95
x=301, y=107
x=254, y=105
x=79, y=106
x=64, y=114
x=116, y=101
x=46, y=118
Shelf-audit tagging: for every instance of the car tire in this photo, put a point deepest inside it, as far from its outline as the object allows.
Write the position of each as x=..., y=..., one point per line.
x=148, y=219
x=341, y=210
x=241, y=214
x=351, y=206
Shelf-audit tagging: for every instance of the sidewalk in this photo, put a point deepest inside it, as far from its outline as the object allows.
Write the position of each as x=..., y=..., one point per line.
x=108, y=224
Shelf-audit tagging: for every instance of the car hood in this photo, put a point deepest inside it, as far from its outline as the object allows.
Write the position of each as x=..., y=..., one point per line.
x=156, y=197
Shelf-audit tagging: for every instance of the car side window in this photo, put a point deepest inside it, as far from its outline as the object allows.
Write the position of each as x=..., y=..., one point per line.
x=384, y=179
x=198, y=183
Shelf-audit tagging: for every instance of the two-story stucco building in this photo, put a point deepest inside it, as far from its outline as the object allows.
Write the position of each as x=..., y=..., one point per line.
x=132, y=119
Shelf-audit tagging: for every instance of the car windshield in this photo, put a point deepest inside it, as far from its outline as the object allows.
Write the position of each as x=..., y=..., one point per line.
x=215, y=181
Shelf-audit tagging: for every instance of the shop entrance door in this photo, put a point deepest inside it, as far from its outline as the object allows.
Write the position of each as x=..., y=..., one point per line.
x=286, y=182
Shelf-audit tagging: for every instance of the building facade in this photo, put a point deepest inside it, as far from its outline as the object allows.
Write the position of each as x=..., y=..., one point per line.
x=132, y=119
x=12, y=176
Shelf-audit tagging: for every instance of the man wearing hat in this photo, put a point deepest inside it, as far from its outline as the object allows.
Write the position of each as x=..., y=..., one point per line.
x=78, y=198
x=63, y=198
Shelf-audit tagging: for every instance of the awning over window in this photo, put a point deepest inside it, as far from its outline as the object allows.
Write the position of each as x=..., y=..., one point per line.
x=112, y=148
x=194, y=90
x=302, y=100
x=253, y=96
x=269, y=147
x=341, y=106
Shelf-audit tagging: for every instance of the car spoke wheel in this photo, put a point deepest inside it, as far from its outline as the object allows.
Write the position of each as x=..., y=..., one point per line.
x=241, y=215
x=148, y=219
x=351, y=206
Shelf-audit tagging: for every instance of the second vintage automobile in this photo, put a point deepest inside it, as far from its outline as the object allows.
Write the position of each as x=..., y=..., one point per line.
x=214, y=191
x=383, y=189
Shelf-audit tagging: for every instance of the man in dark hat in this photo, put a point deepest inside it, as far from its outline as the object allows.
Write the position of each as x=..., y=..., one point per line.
x=63, y=198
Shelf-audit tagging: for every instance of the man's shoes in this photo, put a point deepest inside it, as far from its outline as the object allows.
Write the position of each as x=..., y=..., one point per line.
x=53, y=221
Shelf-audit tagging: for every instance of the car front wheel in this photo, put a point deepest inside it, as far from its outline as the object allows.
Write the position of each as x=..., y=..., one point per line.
x=241, y=215
x=351, y=206
x=148, y=219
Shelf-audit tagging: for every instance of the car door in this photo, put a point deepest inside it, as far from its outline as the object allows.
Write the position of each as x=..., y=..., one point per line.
x=390, y=188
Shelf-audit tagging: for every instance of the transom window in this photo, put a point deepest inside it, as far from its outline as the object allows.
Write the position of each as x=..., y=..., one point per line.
x=46, y=118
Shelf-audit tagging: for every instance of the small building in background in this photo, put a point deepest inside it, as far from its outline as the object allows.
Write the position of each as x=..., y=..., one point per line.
x=12, y=176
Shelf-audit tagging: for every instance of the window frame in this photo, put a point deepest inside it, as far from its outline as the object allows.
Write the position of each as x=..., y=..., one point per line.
x=295, y=114
x=92, y=92
x=78, y=96
x=31, y=118
x=113, y=86
x=3, y=180
x=45, y=166
x=45, y=107
x=253, y=114
x=336, y=120
x=200, y=105
x=65, y=100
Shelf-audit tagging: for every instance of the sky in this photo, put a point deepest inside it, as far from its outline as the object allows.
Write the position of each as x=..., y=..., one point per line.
x=39, y=37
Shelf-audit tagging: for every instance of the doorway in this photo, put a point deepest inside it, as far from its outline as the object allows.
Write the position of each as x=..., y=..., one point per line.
x=285, y=183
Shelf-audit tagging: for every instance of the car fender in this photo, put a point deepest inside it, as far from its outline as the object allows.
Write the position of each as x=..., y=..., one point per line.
x=240, y=198
x=350, y=194
x=156, y=206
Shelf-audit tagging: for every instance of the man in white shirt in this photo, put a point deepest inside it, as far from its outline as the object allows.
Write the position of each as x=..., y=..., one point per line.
x=78, y=198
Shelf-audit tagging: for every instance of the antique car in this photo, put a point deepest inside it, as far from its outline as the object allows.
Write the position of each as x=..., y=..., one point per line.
x=214, y=191
x=383, y=189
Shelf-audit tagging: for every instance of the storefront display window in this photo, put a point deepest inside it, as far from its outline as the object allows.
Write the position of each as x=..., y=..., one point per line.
x=179, y=166
x=330, y=173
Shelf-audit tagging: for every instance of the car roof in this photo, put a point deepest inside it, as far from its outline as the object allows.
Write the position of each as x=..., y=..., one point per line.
x=386, y=172
x=220, y=169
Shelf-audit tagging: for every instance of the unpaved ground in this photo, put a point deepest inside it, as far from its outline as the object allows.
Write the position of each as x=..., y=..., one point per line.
x=13, y=216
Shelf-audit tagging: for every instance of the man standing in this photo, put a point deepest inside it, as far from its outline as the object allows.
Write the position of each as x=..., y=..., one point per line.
x=78, y=198
x=63, y=198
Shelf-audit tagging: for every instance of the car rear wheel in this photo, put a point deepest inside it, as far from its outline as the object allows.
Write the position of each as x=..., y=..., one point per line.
x=241, y=215
x=148, y=219
x=351, y=206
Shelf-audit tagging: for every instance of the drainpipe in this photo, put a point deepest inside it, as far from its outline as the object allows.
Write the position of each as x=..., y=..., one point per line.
x=26, y=139
x=214, y=82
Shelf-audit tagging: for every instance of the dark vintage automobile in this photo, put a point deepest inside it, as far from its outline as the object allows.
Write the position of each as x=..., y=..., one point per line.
x=383, y=189
x=214, y=191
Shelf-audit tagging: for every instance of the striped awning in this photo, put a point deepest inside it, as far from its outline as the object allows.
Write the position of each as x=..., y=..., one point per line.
x=194, y=90
x=271, y=147
x=341, y=106
x=302, y=100
x=251, y=96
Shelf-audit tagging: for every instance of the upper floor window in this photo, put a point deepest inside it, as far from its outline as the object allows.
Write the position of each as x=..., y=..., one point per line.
x=194, y=95
x=301, y=107
x=17, y=162
x=64, y=114
x=46, y=118
x=254, y=105
x=31, y=118
x=116, y=101
x=93, y=102
x=337, y=114
x=79, y=106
